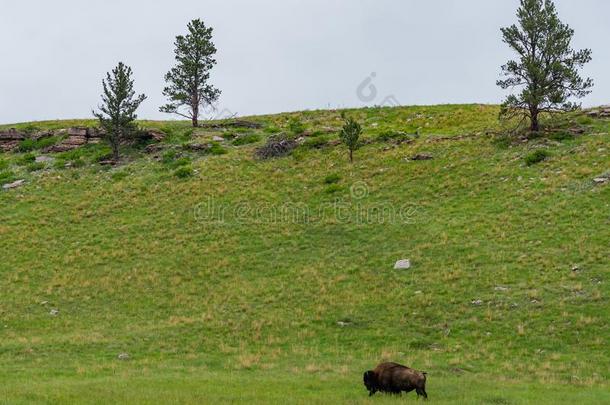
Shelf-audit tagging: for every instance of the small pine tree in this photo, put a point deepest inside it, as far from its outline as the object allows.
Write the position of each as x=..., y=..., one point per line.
x=350, y=135
x=547, y=68
x=188, y=87
x=118, y=111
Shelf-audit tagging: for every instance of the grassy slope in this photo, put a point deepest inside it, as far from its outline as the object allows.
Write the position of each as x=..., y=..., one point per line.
x=247, y=308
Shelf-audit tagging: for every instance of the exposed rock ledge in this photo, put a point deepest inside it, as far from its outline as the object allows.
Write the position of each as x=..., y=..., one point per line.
x=73, y=138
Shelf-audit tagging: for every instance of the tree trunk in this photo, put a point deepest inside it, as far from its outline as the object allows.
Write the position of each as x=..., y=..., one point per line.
x=195, y=110
x=535, y=125
x=115, y=151
x=351, y=156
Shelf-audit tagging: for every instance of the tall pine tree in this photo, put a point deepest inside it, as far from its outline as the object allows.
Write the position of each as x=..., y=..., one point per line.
x=187, y=83
x=118, y=111
x=547, y=67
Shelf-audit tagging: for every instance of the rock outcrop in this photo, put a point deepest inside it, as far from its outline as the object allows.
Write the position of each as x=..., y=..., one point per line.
x=73, y=138
x=76, y=137
x=9, y=139
x=599, y=112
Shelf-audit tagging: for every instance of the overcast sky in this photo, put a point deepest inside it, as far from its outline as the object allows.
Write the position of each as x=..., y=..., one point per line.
x=273, y=55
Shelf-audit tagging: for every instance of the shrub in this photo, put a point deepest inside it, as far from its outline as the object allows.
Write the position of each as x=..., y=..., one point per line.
x=537, y=156
x=59, y=164
x=332, y=178
x=272, y=129
x=28, y=145
x=561, y=135
x=183, y=161
x=296, y=126
x=276, y=146
x=118, y=176
x=78, y=162
x=26, y=159
x=184, y=172
x=169, y=156
x=7, y=177
x=394, y=136
x=315, y=143
x=246, y=139
x=502, y=141
x=217, y=149
x=34, y=167
x=333, y=188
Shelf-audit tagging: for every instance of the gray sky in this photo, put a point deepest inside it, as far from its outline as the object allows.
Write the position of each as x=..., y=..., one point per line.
x=273, y=55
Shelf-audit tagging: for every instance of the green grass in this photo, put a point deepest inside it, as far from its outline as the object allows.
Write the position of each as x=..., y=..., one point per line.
x=228, y=286
x=246, y=139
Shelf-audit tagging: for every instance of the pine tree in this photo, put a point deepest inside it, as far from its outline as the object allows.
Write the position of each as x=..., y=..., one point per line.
x=350, y=135
x=188, y=87
x=118, y=111
x=547, y=67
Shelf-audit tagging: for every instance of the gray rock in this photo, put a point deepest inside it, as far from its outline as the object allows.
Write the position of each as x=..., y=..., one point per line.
x=14, y=184
x=404, y=264
x=123, y=356
x=477, y=303
x=44, y=159
x=421, y=156
x=217, y=138
x=54, y=312
x=500, y=288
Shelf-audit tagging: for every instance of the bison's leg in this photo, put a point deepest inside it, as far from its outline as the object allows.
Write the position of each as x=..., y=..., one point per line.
x=422, y=392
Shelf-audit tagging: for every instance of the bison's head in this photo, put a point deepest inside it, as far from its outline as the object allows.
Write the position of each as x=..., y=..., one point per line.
x=370, y=382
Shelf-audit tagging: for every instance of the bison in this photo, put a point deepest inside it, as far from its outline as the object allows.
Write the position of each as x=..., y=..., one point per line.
x=394, y=379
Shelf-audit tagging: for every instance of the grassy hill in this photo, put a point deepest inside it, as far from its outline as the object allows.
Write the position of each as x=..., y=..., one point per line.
x=272, y=281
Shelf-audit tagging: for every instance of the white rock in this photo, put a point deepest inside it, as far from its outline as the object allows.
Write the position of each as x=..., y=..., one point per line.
x=500, y=288
x=403, y=264
x=123, y=356
x=217, y=138
x=477, y=302
x=15, y=184
x=44, y=159
x=54, y=312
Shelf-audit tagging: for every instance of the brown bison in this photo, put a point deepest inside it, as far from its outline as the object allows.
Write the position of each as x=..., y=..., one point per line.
x=394, y=379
